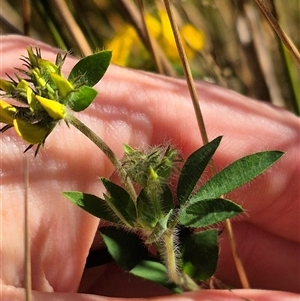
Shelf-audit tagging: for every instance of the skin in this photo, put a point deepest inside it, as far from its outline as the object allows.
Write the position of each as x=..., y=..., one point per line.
x=142, y=109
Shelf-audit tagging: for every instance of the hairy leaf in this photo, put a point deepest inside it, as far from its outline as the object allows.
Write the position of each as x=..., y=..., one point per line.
x=93, y=205
x=90, y=69
x=80, y=99
x=208, y=212
x=146, y=213
x=200, y=254
x=120, y=202
x=193, y=169
x=236, y=174
x=126, y=248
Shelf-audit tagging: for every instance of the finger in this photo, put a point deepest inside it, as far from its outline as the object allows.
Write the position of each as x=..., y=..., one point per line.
x=211, y=295
x=141, y=109
x=270, y=261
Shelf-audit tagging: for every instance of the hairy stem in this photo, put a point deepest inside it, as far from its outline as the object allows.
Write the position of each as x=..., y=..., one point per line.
x=106, y=150
x=180, y=279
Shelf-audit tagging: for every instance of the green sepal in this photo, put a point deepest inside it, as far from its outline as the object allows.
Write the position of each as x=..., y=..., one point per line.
x=80, y=99
x=126, y=248
x=236, y=174
x=93, y=205
x=199, y=256
x=90, y=69
x=208, y=212
x=146, y=212
x=160, y=228
x=193, y=169
x=120, y=202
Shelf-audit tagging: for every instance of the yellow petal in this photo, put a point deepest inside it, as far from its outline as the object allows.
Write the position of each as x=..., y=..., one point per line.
x=63, y=85
x=55, y=109
x=193, y=37
x=31, y=100
x=154, y=26
x=31, y=133
x=7, y=112
x=122, y=45
x=152, y=174
x=22, y=85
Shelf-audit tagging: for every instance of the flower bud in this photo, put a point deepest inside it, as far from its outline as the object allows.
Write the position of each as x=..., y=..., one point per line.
x=55, y=109
x=7, y=112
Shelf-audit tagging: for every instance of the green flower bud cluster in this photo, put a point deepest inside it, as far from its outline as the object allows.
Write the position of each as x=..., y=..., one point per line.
x=152, y=169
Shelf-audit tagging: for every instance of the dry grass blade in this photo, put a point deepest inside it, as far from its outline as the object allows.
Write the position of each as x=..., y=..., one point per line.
x=282, y=35
x=134, y=16
x=188, y=73
x=26, y=10
x=72, y=27
x=27, y=268
x=152, y=48
x=10, y=20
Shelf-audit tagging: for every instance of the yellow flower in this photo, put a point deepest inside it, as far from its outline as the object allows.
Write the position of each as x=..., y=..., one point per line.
x=7, y=112
x=31, y=133
x=55, y=109
x=127, y=42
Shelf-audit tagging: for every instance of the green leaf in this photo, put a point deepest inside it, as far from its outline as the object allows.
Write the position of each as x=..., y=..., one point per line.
x=154, y=271
x=80, y=99
x=208, y=212
x=90, y=69
x=120, y=202
x=193, y=169
x=93, y=205
x=126, y=248
x=146, y=212
x=200, y=254
x=236, y=174
x=151, y=270
x=166, y=201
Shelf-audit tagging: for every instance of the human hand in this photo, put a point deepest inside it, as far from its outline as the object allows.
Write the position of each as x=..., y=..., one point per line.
x=138, y=108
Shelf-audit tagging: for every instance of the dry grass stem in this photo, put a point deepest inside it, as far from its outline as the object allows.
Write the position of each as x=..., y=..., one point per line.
x=73, y=27
x=135, y=19
x=26, y=12
x=280, y=32
x=153, y=50
x=27, y=268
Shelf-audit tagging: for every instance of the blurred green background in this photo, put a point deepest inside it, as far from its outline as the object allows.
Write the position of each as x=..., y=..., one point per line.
x=228, y=42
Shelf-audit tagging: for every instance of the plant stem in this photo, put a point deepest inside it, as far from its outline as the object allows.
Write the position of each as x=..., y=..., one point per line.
x=169, y=252
x=106, y=150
